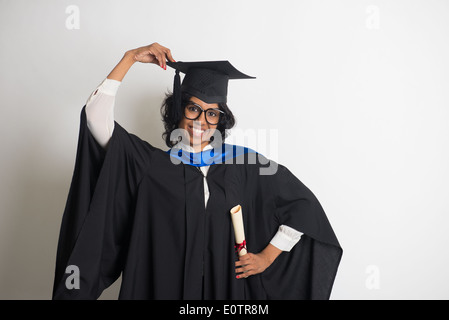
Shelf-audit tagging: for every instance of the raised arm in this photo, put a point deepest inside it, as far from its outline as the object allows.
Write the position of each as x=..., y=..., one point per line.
x=100, y=105
x=153, y=53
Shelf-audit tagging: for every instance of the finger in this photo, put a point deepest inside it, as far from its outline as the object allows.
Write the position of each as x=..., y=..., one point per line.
x=162, y=60
x=245, y=268
x=158, y=57
x=155, y=58
x=245, y=257
x=163, y=53
x=169, y=56
x=152, y=52
x=243, y=275
x=240, y=270
x=242, y=262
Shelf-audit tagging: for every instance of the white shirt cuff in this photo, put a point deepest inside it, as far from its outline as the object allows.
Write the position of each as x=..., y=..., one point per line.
x=286, y=238
x=109, y=86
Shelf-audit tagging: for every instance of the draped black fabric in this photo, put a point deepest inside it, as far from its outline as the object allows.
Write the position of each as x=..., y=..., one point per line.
x=132, y=212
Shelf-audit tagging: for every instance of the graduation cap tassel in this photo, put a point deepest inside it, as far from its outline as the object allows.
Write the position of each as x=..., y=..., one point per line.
x=177, y=92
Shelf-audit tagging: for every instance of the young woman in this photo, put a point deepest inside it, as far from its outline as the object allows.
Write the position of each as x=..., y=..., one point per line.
x=161, y=218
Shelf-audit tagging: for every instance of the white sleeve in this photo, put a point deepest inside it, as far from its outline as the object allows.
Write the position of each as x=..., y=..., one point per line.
x=286, y=238
x=100, y=111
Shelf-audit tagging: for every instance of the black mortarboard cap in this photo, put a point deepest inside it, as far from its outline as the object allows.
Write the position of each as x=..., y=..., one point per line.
x=206, y=80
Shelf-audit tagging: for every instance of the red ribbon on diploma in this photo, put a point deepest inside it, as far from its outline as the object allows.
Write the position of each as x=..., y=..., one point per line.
x=239, y=246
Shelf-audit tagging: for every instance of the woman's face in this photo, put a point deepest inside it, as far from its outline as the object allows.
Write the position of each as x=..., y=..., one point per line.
x=199, y=131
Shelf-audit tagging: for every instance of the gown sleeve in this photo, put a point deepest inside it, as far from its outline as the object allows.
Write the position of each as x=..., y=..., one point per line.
x=309, y=269
x=100, y=111
x=99, y=211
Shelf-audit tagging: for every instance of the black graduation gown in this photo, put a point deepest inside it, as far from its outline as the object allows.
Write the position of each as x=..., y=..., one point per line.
x=132, y=212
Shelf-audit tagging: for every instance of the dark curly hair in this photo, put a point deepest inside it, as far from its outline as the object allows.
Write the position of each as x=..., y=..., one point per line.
x=172, y=117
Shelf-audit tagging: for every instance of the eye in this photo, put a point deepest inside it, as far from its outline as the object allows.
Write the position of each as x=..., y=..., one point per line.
x=212, y=113
x=193, y=108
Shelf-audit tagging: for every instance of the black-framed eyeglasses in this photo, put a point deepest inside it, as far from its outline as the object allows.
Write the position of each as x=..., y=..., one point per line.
x=193, y=111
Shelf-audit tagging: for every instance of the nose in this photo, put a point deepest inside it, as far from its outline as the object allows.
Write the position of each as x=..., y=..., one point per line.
x=202, y=118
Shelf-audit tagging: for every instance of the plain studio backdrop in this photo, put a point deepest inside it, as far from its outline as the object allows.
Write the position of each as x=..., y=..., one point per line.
x=354, y=96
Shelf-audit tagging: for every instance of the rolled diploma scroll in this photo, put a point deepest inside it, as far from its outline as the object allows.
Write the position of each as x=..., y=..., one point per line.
x=239, y=232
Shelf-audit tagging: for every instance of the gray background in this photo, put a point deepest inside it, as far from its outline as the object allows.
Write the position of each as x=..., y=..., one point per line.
x=356, y=92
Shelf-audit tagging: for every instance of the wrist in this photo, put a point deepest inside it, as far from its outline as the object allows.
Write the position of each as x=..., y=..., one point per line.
x=270, y=253
x=130, y=56
x=120, y=70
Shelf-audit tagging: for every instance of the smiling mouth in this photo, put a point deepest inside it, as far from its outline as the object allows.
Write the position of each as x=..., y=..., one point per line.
x=196, y=132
